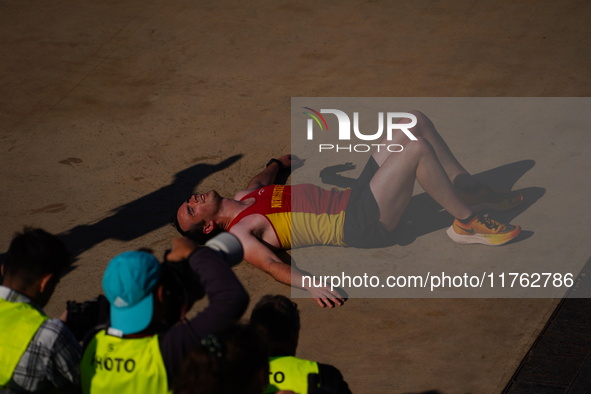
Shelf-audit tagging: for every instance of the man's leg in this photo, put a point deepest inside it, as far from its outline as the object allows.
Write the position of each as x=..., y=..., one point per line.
x=392, y=185
x=456, y=173
x=474, y=194
x=430, y=161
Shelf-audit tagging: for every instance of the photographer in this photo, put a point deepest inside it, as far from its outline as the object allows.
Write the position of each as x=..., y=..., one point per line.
x=278, y=318
x=234, y=361
x=144, y=346
x=37, y=354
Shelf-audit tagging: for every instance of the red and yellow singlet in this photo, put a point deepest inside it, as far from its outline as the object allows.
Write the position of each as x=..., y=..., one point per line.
x=301, y=215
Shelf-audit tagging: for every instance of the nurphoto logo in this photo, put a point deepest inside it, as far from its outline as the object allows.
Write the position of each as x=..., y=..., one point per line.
x=392, y=120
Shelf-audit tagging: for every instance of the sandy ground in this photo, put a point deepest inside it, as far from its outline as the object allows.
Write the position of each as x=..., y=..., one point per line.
x=112, y=112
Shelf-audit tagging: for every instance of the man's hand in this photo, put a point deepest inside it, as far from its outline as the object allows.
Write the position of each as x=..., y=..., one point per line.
x=269, y=174
x=181, y=249
x=325, y=297
x=289, y=161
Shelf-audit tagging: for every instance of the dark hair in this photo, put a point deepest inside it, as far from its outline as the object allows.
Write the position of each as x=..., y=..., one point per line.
x=196, y=233
x=279, y=319
x=231, y=362
x=34, y=253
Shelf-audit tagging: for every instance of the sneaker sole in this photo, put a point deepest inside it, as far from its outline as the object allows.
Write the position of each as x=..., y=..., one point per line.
x=485, y=239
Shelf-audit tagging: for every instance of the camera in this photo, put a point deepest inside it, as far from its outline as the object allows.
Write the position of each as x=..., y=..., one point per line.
x=83, y=317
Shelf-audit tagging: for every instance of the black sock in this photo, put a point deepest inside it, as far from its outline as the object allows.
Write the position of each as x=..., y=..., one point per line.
x=465, y=221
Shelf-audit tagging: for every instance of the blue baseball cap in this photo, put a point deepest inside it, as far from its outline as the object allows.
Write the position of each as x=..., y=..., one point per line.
x=128, y=283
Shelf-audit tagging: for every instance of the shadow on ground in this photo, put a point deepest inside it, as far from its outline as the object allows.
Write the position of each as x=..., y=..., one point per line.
x=144, y=215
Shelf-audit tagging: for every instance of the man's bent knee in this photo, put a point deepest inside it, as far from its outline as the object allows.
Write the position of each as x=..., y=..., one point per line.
x=422, y=122
x=420, y=147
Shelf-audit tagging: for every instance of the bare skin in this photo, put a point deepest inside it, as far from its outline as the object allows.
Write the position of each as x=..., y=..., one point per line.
x=256, y=234
x=427, y=160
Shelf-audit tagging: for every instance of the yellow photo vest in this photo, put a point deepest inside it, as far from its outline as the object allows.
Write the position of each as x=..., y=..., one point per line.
x=19, y=321
x=290, y=373
x=111, y=364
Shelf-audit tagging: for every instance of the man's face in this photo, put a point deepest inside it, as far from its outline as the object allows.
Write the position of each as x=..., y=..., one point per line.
x=198, y=208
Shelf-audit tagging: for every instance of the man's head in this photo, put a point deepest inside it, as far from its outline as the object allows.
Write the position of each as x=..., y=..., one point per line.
x=195, y=218
x=279, y=319
x=34, y=262
x=234, y=360
x=129, y=283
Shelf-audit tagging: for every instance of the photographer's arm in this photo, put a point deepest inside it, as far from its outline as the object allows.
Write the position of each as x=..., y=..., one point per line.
x=227, y=298
x=227, y=302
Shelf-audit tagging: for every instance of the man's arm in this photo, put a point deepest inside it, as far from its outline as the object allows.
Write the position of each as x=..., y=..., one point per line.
x=259, y=255
x=227, y=302
x=227, y=297
x=63, y=368
x=269, y=174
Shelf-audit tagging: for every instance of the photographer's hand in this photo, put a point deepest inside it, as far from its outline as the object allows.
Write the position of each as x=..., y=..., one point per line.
x=181, y=249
